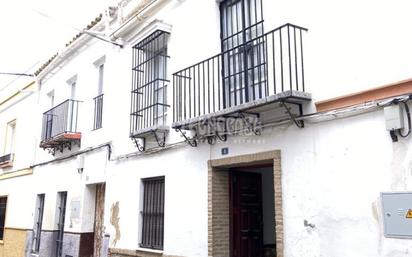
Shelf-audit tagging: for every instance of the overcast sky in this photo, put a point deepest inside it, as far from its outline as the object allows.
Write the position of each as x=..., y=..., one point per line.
x=33, y=30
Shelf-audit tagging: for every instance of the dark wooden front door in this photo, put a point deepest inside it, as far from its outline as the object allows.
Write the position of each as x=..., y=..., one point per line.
x=246, y=214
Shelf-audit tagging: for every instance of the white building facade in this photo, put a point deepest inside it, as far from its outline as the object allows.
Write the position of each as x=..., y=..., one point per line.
x=217, y=128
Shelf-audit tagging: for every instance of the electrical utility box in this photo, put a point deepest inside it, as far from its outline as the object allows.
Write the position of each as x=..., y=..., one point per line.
x=393, y=117
x=397, y=214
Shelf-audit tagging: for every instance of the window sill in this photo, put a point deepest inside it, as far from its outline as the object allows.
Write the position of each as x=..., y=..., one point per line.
x=149, y=131
x=137, y=252
x=148, y=250
x=1, y=242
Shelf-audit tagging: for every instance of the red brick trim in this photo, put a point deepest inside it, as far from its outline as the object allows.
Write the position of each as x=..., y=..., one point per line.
x=395, y=89
x=72, y=135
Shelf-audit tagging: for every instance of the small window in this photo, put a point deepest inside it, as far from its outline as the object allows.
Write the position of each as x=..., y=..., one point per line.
x=38, y=223
x=3, y=206
x=153, y=213
x=149, y=82
x=72, y=83
x=73, y=90
x=100, y=81
x=10, y=137
x=50, y=95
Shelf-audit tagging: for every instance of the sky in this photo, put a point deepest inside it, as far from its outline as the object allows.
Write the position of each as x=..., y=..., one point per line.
x=32, y=31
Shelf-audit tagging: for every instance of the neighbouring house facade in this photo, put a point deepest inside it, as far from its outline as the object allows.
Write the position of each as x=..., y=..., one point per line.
x=197, y=128
x=18, y=153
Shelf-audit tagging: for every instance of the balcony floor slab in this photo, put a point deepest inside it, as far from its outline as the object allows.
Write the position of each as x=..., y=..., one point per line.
x=141, y=133
x=60, y=139
x=256, y=106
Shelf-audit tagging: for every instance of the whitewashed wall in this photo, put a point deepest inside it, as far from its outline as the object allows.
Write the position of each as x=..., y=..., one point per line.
x=333, y=171
x=20, y=109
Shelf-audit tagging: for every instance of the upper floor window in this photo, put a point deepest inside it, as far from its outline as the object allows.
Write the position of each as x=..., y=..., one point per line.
x=10, y=137
x=149, y=82
x=73, y=90
x=98, y=100
x=50, y=96
x=100, y=69
x=240, y=21
x=3, y=206
x=244, y=58
x=6, y=159
x=72, y=83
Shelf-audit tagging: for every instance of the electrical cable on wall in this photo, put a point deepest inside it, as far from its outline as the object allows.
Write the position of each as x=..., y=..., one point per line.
x=16, y=74
x=408, y=116
x=394, y=116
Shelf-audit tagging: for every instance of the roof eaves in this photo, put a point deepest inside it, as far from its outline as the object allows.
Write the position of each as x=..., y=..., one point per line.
x=46, y=64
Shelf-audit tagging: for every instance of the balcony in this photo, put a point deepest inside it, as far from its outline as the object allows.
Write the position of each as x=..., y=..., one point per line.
x=260, y=75
x=60, y=127
x=6, y=161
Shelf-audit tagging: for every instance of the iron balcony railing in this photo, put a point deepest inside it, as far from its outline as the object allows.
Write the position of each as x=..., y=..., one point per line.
x=98, y=112
x=60, y=119
x=266, y=65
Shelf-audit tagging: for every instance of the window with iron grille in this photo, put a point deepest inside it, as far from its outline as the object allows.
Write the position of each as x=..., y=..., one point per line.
x=153, y=213
x=3, y=206
x=61, y=211
x=244, y=51
x=38, y=223
x=149, y=82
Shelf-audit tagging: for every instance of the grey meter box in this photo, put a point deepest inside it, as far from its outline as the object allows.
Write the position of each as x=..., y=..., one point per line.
x=397, y=214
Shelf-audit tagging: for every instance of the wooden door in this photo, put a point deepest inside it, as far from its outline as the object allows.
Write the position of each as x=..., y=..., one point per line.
x=246, y=214
x=99, y=220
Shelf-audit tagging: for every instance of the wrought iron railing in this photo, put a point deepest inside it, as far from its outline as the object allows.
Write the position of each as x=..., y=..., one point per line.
x=60, y=119
x=98, y=111
x=268, y=64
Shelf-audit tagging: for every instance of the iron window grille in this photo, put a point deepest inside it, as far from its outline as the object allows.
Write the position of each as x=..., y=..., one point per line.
x=153, y=213
x=244, y=67
x=149, y=82
x=60, y=224
x=240, y=21
x=3, y=207
x=38, y=223
x=98, y=112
